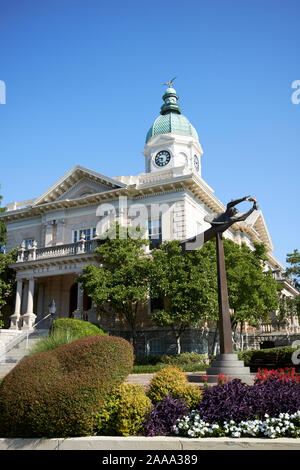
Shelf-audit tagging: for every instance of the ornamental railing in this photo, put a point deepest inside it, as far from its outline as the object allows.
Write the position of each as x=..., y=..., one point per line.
x=279, y=276
x=278, y=327
x=68, y=249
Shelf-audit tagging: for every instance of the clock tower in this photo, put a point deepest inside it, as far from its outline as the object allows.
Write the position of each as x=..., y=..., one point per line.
x=172, y=141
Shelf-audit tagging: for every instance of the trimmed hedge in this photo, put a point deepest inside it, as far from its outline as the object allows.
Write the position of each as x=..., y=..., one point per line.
x=80, y=328
x=56, y=393
x=182, y=359
x=281, y=356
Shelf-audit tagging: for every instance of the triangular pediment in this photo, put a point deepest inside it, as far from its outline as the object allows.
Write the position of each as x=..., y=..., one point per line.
x=257, y=222
x=78, y=183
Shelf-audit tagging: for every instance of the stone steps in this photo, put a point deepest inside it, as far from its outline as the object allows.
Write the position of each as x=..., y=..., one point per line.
x=16, y=353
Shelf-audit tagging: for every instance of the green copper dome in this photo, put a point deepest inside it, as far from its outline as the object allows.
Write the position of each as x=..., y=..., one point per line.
x=171, y=119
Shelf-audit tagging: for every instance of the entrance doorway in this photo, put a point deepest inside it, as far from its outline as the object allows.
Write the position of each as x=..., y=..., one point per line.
x=87, y=301
x=73, y=299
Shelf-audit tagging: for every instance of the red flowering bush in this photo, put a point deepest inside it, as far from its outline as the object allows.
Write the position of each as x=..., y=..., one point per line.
x=56, y=393
x=284, y=375
x=223, y=379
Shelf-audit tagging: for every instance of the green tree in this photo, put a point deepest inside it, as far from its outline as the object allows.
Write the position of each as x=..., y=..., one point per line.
x=294, y=270
x=289, y=306
x=7, y=285
x=120, y=283
x=252, y=291
x=188, y=285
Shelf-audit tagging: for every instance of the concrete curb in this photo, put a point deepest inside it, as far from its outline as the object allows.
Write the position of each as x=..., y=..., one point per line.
x=149, y=443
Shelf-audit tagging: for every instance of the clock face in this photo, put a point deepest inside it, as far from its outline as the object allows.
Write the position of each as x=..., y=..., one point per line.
x=196, y=162
x=162, y=158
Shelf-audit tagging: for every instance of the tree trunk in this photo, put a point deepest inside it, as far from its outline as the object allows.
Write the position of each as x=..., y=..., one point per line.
x=178, y=344
x=242, y=337
x=215, y=339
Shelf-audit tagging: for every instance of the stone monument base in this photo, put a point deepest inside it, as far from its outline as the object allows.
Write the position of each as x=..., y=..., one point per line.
x=231, y=366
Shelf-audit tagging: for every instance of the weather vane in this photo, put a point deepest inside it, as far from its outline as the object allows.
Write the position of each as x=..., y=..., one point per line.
x=170, y=83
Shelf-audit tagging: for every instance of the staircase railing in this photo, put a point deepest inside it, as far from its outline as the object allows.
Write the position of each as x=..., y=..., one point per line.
x=29, y=332
x=14, y=342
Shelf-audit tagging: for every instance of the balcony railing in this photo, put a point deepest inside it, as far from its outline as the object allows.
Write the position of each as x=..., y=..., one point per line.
x=279, y=327
x=279, y=276
x=34, y=253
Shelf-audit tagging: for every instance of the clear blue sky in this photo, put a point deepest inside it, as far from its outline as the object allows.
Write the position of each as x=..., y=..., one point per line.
x=83, y=81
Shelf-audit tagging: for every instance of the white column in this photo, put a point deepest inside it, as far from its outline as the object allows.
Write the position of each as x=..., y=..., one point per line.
x=29, y=317
x=60, y=232
x=79, y=310
x=40, y=301
x=15, y=317
x=49, y=233
x=79, y=297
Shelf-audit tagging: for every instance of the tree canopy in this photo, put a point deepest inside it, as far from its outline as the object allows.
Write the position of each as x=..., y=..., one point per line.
x=126, y=276
x=293, y=259
x=189, y=285
x=120, y=283
x=7, y=283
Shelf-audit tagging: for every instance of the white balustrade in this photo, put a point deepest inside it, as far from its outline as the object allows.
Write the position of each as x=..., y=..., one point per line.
x=68, y=249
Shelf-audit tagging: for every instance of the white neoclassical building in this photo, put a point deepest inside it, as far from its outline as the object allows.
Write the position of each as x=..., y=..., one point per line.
x=57, y=232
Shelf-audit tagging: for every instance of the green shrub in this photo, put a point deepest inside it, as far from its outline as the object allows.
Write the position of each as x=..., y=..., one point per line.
x=148, y=360
x=184, y=359
x=80, y=328
x=124, y=412
x=58, y=338
x=172, y=381
x=283, y=355
x=56, y=393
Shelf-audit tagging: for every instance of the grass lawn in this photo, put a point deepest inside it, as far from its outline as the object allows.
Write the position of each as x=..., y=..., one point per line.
x=150, y=369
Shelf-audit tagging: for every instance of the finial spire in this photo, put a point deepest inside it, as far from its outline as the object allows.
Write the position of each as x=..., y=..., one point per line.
x=170, y=83
x=170, y=98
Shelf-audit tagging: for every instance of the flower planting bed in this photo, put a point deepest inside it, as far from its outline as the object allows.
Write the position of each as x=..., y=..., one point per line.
x=77, y=394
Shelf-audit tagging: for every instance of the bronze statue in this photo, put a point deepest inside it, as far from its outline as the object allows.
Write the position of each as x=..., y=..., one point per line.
x=221, y=222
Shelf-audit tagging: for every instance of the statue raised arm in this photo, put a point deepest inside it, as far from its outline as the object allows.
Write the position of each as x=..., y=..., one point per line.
x=231, y=215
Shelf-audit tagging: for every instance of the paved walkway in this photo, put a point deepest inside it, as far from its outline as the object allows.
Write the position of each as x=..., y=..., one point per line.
x=144, y=379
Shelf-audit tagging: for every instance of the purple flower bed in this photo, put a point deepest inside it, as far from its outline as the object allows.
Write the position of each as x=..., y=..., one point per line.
x=238, y=402
x=163, y=416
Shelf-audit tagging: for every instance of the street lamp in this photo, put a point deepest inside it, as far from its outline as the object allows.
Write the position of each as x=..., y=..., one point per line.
x=52, y=310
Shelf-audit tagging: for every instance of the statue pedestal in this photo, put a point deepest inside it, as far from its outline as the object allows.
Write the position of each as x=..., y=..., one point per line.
x=231, y=366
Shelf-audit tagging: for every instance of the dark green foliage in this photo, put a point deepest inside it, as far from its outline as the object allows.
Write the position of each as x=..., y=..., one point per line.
x=252, y=291
x=121, y=281
x=294, y=269
x=56, y=393
x=172, y=359
x=184, y=359
x=282, y=356
x=7, y=284
x=188, y=285
x=80, y=328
